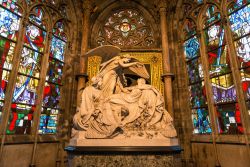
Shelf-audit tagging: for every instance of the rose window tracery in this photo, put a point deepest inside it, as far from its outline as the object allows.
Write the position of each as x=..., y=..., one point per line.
x=126, y=28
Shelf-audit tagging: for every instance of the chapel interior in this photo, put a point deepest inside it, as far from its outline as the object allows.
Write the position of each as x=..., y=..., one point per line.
x=197, y=53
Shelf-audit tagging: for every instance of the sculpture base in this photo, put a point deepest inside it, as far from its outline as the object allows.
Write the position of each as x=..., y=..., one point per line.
x=136, y=156
x=123, y=142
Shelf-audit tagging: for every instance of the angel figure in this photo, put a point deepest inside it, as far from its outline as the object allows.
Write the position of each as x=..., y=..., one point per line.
x=111, y=80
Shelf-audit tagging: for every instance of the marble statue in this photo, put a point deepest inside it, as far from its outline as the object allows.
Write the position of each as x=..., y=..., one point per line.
x=110, y=109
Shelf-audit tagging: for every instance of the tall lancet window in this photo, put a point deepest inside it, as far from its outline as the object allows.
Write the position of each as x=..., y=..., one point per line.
x=10, y=16
x=9, y=25
x=25, y=92
x=198, y=99
x=221, y=78
x=52, y=92
x=239, y=16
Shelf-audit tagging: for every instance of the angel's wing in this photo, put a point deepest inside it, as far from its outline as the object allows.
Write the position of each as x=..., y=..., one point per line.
x=140, y=70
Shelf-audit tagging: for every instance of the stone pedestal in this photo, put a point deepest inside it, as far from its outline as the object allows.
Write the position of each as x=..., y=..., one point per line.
x=124, y=152
x=165, y=156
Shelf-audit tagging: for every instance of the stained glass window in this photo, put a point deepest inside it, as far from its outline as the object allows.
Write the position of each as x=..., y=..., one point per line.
x=25, y=92
x=198, y=101
x=21, y=119
x=201, y=121
x=223, y=89
x=11, y=5
x=229, y=119
x=29, y=66
x=126, y=28
x=9, y=26
x=240, y=25
x=52, y=90
x=237, y=4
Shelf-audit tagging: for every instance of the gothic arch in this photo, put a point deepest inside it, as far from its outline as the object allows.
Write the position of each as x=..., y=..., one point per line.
x=121, y=5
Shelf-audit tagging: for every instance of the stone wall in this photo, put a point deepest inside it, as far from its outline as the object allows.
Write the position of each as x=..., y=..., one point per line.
x=20, y=155
x=229, y=155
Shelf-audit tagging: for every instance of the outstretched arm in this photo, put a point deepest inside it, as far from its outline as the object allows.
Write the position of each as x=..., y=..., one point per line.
x=125, y=65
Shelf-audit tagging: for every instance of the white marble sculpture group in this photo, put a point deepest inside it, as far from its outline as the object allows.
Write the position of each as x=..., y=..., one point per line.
x=109, y=109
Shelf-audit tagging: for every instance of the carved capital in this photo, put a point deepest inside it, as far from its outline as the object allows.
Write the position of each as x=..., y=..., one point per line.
x=163, y=10
x=82, y=75
x=198, y=33
x=86, y=5
x=163, y=7
x=50, y=34
x=224, y=20
x=163, y=4
x=25, y=21
x=167, y=75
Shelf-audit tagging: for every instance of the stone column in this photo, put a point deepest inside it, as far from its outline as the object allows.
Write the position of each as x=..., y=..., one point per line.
x=82, y=76
x=167, y=75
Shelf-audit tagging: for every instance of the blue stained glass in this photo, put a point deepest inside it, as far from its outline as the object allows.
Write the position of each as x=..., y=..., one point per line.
x=201, y=121
x=240, y=22
x=11, y=5
x=57, y=49
x=191, y=48
x=9, y=24
x=48, y=121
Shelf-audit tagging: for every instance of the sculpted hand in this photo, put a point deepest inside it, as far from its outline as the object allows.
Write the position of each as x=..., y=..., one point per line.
x=138, y=64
